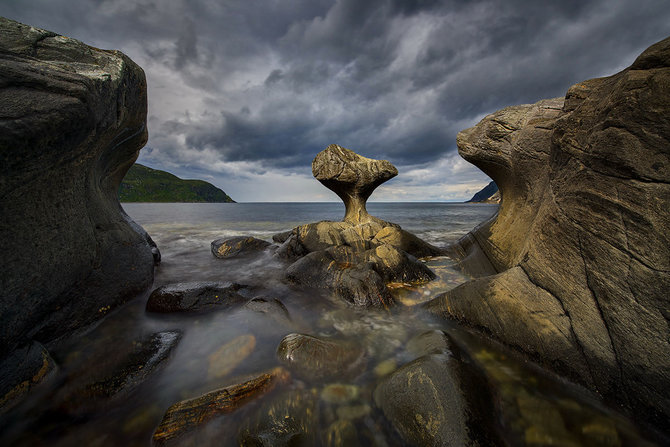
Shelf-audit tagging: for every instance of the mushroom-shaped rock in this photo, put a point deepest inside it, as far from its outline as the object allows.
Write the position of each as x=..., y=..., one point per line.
x=352, y=177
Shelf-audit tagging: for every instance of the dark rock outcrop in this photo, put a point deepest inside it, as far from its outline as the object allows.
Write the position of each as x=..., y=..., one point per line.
x=23, y=369
x=352, y=177
x=73, y=120
x=575, y=269
x=194, y=297
x=111, y=375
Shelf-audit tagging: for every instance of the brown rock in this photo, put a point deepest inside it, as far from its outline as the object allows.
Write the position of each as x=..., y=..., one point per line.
x=582, y=238
x=238, y=246
x=352, y=177
x=189, y=414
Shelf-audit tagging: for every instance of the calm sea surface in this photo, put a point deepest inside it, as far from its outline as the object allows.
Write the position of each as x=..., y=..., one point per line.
x=533, y=407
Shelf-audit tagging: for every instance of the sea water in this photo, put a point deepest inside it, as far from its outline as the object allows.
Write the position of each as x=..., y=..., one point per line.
x=533, y=407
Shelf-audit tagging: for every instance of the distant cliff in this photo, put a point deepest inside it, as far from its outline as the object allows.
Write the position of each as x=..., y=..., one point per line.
x=143, y=184
x=488, y=194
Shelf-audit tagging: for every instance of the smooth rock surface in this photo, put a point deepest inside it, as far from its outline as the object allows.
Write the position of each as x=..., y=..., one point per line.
x=21, y=371
x=195, y=297
x=579, y=254
x=73, y=120
x=320, y=358
x=352, y=177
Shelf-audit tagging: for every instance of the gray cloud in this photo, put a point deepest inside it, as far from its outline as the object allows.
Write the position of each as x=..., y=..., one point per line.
x=260, y=85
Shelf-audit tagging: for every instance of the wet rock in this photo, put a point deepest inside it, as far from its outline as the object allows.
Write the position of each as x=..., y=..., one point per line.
x=238, y=246
x=397, y=266
x=319, y=358
x=357, y=284
x=194, y=297
x=189, y=414
x=353, y=412
x=339, y=393
x=385, y=368
x=406, y=241
x=580, y=248
x=271, y=307
x=117, y=373
x=341, y=433
x=432, y=401
x=280, y=238
x=429, y=342
x=21, y=371
x=290, y=419
x=227, y=357
x=352, y=177
x=73, y=121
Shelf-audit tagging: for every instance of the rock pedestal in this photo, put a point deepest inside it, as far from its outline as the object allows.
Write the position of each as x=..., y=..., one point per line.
x=352, y=177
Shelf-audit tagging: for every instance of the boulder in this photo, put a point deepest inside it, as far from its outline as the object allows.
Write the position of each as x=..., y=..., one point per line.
x=579, y=254
x=352, y=177
x=195, y=297
x=354, y=283
x=190, y=414
x=320, y=358
x=238, y=246
x=439, y=399
x=73, y=121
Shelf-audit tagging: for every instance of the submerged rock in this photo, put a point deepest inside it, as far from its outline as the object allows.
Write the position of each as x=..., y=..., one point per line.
x=189, y=414
x=290, y=419
x=438, y=399
x=238, y=246
x=320, y=359
x=73, y=121
x=21, y=371
x=117, y=374
x=194, y=297
x=352, y=177
x=579, y=253
x=229, y=356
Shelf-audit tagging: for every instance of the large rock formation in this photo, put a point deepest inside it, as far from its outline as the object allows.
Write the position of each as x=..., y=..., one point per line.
x=352, y=177
x=575, y=269
x=72, y=122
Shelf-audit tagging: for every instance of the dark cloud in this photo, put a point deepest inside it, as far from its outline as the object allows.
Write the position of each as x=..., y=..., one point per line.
x=251, y=85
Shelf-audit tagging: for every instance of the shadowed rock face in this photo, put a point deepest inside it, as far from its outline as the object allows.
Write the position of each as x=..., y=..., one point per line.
x=575, y=269
x=352, y=177
x=72, y=122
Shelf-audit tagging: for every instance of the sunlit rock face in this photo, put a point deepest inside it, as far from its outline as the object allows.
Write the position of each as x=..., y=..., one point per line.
x=575, y=269
x=352, y=177
x=73, y=121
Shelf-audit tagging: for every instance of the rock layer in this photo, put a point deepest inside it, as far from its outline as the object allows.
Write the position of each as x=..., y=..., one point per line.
x=72, y=122
x=352, y=177
x=575, y=269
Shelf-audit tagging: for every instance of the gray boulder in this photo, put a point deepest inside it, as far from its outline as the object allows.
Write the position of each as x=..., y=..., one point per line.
x=73, y=121
x=575, y=269
x=194, y=297
x=238, y=246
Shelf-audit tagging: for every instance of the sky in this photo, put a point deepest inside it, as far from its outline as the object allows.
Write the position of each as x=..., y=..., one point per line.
x=245, y=93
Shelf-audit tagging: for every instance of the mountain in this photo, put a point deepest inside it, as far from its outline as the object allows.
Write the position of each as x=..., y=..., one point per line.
x=143, y=184
x=489, y=194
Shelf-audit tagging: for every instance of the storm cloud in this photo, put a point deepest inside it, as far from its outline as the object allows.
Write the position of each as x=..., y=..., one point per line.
x=244, y=93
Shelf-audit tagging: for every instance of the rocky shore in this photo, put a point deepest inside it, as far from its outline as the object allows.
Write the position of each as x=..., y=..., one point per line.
x=573, y=273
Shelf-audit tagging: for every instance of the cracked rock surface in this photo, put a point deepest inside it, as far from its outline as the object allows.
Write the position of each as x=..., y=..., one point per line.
x=352, y=177
x=575, y=268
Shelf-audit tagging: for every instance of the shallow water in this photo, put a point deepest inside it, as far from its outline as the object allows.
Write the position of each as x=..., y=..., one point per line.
x=532, y=406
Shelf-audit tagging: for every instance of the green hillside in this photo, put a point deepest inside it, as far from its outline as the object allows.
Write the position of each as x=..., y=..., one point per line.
x=143, y=184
